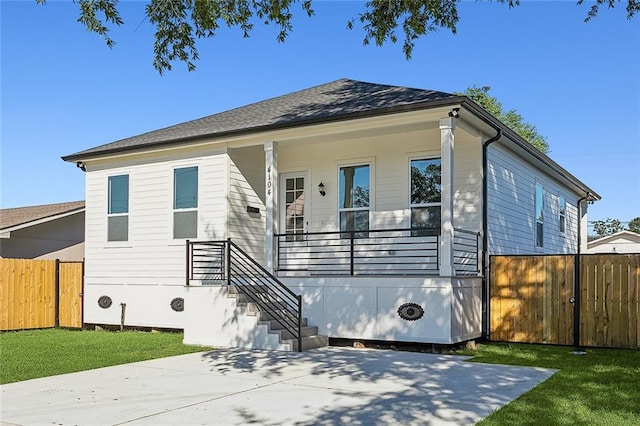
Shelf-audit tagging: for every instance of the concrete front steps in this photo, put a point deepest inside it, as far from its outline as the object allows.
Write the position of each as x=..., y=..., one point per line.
x=267, y=316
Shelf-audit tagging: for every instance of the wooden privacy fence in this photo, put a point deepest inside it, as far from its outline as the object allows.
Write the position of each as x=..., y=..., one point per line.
x=532, y=299
x=40, y=294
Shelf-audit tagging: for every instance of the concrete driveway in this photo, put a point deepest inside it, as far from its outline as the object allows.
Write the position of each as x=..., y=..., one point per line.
x=326, y=386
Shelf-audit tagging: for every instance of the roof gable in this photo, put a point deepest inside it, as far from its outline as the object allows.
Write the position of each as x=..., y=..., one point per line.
x=621, y=236
x=337, y=100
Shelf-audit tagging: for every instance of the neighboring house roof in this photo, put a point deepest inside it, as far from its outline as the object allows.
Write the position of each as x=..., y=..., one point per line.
x=21, y=217
x=339, y=100
x=623, y=241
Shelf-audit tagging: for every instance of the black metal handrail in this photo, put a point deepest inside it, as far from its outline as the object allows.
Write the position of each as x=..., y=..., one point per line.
x=402, y=251
x=225, y=261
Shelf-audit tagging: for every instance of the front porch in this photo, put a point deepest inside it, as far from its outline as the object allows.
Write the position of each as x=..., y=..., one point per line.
x=373, y=223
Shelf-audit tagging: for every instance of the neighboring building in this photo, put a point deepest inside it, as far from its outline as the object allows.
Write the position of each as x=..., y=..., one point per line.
x=620, y=242
x=367, y=199
x=51, y=231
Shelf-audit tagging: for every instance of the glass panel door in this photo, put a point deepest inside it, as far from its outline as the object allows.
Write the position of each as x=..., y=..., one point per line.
x=293, y=212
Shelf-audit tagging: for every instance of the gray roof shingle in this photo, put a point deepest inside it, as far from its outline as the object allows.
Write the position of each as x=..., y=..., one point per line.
x=23, y=215
x=333, y=101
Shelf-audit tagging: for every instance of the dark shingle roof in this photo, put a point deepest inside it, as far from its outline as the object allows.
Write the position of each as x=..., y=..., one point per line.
x=23, y=215
x=333, y=101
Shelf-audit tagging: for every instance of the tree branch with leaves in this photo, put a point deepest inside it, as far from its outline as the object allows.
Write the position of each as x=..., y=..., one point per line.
x=511, y=118
x=179, y=23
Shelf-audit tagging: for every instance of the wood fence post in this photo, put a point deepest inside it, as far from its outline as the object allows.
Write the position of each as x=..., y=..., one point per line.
x=56, y=297
x=82, y=297
x=576, y=305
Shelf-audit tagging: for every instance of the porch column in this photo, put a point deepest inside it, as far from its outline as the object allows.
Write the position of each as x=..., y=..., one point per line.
x=447, y=127
x=271, y=203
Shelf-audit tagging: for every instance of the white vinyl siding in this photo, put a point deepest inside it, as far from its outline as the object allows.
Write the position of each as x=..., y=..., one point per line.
x=247, y=189
x=147, y=271
x=511, y=207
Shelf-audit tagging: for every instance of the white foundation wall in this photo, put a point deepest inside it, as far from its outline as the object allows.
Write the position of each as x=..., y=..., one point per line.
x=147, y=271
x=367, y=308
x=511, y=207
x=389, y=155
x=212, y=318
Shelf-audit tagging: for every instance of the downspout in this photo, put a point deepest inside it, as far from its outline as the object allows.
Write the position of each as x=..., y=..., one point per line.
x=485, y=237
x=577, y=350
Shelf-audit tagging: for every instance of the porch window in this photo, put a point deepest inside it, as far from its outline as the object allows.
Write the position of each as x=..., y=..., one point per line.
x=539, y=215
x=562, y=212
x=185, y=202
x=118, y=208
x=425, y=194
x=354, y=198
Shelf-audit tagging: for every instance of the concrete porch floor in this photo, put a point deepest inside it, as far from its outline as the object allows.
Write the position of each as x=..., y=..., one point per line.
x=326, y=386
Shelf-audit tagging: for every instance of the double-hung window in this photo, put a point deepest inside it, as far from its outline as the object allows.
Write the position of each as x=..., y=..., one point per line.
x=185, y=202
x=354, y=198
x=118, y=208
x=425, y=195
x=539, y=215
x=562, y=214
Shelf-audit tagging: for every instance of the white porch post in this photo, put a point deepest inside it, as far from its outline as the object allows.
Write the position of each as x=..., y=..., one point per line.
x=447, y=127
x=271, y=203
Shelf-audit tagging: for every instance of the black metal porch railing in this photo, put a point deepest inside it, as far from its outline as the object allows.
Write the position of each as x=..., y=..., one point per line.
x=374, y=252
x=465, y=252
x=225, y=261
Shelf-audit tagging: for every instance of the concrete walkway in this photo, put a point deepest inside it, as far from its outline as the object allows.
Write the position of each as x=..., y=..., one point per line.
x=325, y=386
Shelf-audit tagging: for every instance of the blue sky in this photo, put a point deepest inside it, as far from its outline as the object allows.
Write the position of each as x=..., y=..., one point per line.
x=63, y=90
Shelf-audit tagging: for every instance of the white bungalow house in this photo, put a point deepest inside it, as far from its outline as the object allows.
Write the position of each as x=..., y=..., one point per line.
x=620, y=242
x=368, y=209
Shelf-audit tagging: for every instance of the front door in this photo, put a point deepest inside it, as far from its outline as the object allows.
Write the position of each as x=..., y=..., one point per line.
x=292, y=200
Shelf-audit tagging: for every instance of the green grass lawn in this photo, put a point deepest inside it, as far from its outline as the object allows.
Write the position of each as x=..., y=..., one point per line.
x=599, y=388
x=39, y=353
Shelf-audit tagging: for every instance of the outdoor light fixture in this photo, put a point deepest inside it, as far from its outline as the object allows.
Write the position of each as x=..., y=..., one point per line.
x=321, y=189
x=81, y=166
x=454, y=113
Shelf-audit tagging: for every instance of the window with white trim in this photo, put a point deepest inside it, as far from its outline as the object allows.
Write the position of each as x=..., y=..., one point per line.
x=539, y=213
x=185, y=202
x=425, y=197
x=354, y=197
x=118, y=208
x=562, y=214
